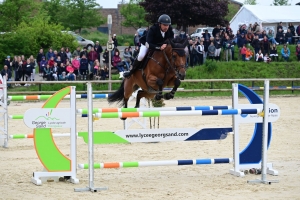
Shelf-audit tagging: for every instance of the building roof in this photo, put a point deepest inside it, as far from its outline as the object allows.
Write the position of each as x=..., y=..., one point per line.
x=269, y=14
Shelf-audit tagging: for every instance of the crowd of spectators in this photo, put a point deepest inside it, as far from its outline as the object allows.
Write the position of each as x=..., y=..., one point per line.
x=252, y=41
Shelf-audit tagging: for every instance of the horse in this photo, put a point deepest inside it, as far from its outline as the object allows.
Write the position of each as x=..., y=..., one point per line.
x=164, y=68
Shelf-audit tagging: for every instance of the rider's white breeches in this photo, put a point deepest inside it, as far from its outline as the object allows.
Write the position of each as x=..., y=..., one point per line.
x=143, y=52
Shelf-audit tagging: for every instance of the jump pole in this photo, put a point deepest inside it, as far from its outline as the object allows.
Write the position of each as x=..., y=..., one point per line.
x=3, y=103
x=265, y=139
x=90, y=145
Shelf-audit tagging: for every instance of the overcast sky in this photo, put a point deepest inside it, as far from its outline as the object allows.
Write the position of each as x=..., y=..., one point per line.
x=114, y=3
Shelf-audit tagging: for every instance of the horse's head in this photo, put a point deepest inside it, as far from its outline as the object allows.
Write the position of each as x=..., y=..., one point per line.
x=179, y=56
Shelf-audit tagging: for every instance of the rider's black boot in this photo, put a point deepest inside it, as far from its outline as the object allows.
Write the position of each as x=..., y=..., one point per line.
x=135, y=66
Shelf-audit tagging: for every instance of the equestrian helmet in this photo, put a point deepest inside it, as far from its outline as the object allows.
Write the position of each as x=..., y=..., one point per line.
x=164, y=19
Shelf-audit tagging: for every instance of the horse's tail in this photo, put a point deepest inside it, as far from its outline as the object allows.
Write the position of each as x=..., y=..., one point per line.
x=118, y=95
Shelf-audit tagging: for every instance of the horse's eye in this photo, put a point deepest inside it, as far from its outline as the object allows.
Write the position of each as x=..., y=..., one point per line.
x=174, y=56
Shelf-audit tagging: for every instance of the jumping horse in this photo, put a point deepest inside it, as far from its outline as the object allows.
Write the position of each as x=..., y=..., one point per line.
x=164, y=68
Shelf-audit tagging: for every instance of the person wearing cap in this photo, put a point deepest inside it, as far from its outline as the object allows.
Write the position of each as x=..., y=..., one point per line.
x=155, y=40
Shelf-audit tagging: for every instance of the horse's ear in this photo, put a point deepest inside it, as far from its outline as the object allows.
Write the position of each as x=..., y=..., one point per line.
x=172, y=43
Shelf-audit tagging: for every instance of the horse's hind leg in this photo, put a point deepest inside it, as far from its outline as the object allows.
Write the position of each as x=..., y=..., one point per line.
x=141, y=94
x=170, y=95
x=128, y=90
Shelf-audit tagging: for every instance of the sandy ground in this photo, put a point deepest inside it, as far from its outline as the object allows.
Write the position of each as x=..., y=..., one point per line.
x=185, y=182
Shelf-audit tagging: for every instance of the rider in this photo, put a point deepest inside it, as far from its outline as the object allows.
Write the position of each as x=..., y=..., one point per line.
x=155, y=38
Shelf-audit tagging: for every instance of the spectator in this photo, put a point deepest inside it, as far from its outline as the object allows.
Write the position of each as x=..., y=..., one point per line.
x=243, y=52
x=63, y=55
x=211, y=50
x=106, y=57
x=51, y=61
x=48, y=72
x=206, y=37
x=280, y=36
x=182, y=35
x=298, y=51
x=135, y=52
x=288, y=37
x=76, y=64
x=55, y=54
x=271, y=37
x=243, y=29
x=256, y=45
x=285, y=52
x=24, y=65
x=76, y=52
x=250, y=28
x=240, y=43
x=265, y=45
x=49, y=54
x=249, y=37
x=55, y=71
x=262, y=35
x=227, y=47
x=68, y=53
x=28, y=71
x=298, y=31
x=92, y=56
x=267, y=59
x=193, y=53
x=32, y=64
x=237, y=36
x=103, y=73
x=218, y=47
x=84, y=67
x=61, y=72
x=115, y=41
x=228, y=29
x=39, y=59
x=43, y=64
x=273, y=52
x=8, y=62
x=279, y=26
x=117, y=63
x=58, y=60
x=130, y=52
x=200, y=52
x=259, y=56
x=70, y=72
x=249, y=54
x=216, y=31
x=127, y=60
x=84, y=52
x=293, y=31
x=96, y=67
x=6, y=72
x=98, y=49
x=256, y=29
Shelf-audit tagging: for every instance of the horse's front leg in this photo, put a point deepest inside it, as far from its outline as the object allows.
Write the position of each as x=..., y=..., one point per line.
x=170, y=95
x=159, y=95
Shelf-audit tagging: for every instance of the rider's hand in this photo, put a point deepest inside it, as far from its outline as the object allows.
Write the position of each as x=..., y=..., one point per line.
x=163, y=46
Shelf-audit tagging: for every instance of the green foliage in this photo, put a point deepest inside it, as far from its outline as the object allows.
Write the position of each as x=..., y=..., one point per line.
x=29, y=37
x=232, y=10
x=281, y=2
x=210, y=66
x=123, y=40
x=250, y=2
x=14, y=12
x=158, y=103
x=74, y=14
x=134, y=15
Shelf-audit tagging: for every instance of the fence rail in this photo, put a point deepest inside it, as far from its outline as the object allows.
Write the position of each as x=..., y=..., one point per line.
x=211, y=81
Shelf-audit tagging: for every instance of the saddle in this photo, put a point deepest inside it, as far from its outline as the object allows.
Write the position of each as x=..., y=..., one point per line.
x=146, y=59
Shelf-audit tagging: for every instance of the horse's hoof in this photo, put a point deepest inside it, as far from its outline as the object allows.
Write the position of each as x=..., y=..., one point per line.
x=158, y=97
x=123, y=118
x=168, y=96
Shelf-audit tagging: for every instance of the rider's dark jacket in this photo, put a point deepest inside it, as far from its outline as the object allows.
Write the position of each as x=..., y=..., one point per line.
x=155, y=39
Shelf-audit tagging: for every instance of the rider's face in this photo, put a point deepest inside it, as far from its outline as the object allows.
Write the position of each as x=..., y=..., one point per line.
x=164, y=27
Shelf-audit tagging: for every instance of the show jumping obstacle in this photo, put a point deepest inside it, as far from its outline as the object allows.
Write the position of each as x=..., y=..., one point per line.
x=57, y=164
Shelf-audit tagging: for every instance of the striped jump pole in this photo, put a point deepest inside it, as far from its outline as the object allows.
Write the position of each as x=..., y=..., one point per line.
x=158, y=163
x=45, y=97
x=180, y=108
x=176, y=113
x=24, y=136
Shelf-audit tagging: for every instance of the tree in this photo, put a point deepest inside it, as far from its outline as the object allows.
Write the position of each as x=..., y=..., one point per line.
x=55, y=10
x=82, y=14
x=133, y=14
x=13, y=12
x=280, y=2
x=250, y=2
x=185, y=13
x=232, y=10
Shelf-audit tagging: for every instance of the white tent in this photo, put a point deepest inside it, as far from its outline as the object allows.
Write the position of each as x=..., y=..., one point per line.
x=267, y=16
